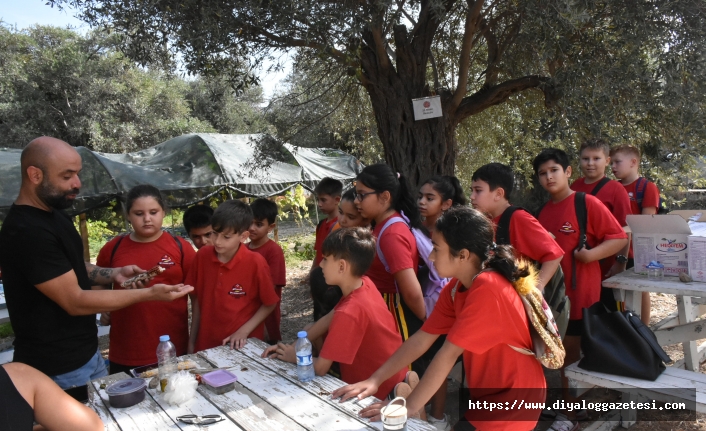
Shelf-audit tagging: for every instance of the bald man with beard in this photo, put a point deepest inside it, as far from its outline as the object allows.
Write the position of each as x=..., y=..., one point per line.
x=47, y=284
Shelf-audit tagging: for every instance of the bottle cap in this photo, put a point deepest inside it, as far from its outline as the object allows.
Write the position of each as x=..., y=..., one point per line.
x=655, y=265
x=301, y=334
x=164, y=338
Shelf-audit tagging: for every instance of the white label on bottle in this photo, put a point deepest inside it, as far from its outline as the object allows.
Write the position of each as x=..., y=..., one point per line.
x=304, y=360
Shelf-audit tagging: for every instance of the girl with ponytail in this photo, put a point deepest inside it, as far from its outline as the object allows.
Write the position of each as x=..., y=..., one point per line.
x=381, y=195
x=482, y=315
x=438, y=194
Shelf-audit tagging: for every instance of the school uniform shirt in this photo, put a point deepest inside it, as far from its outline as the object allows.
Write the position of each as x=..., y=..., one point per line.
x=615, y=198
x=274, y=256
x=135, y=330
x=362, y=337
x=324, y=228
x=229, y=294
x=649, y=199
x=400, y=251
x=560, y=220
x=530, y=239
x=485, y=320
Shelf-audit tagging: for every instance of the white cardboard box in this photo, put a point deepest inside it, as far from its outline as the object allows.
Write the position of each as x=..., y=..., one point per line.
x=662, y=238
x=697, y=248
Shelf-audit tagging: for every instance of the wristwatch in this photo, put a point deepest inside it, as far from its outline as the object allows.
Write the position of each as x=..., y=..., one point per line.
x=621, y=258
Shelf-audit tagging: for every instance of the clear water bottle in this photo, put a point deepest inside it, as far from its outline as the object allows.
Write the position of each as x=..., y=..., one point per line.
x=305, y=364
x=166, y=360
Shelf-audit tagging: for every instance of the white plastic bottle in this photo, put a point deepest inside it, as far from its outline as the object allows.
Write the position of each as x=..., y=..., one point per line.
x=305, y=364
x=166, y=360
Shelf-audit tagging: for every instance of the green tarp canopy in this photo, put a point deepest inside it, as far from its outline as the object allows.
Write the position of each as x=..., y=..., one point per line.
x=191, y=168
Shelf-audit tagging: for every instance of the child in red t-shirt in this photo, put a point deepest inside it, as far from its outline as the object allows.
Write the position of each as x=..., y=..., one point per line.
x=594, y=158
x=264, y=221
x=482, y=315
x=328, y=195
x=135, y=330
x=437, y=195
x=362, y=334
x=643, y=194
x=233, y=290
x=605, y=237
x=324, y=296
x=197, y=223
x=492, y=186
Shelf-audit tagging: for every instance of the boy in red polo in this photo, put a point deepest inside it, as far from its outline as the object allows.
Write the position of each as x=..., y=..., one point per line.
x=594, y=158
x=644, y=199
x=265, y=217
x=362, y=334
x=233, y=291
x=604, y=237
x=492, y=185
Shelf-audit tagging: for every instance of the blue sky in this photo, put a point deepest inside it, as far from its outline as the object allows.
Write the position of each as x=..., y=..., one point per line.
x=24, y=13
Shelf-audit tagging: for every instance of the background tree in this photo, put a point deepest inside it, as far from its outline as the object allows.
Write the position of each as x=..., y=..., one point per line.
x=609, y=59
x=83, y=90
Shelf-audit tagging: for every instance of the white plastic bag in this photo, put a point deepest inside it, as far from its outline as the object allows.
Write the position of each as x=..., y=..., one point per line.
x=181, y=387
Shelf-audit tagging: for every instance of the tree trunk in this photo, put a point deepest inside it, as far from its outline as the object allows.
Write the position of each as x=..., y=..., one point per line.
x=416, y=149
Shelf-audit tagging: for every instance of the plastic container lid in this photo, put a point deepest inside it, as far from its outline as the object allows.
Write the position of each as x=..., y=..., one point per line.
x=164, y=338
x=301, y=334
x=219, y=378
x=655, y=265
x=127, y=386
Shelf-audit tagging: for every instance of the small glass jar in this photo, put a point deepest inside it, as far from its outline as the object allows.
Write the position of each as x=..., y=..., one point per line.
x=655, y=271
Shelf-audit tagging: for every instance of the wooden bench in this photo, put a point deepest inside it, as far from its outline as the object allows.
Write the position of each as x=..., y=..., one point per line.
x=673, y=385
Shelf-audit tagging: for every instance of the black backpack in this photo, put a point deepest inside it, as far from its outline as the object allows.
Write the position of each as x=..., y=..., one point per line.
x=555, y=289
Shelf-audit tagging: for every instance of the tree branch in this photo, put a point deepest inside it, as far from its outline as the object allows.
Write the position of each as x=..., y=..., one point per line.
x=465, y=59
x=487, y=97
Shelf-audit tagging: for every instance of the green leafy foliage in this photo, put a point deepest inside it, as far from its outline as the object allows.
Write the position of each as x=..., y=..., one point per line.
x=298, y=249
x=293, y=204
x=98, y=234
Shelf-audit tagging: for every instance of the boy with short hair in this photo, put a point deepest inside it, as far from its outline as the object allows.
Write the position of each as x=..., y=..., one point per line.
x=604, y=237
x=233, y=291
x=328, y=195
x=492, y=187
x=644, y=198
x=362, y=334
x=264, y=221
x=197, y=223
x=594, y=158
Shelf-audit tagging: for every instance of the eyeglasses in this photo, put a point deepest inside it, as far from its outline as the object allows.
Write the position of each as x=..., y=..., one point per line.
x=200, y=420
x=360, y=196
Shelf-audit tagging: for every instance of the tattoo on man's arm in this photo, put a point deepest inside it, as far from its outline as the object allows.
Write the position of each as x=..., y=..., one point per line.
x=99, y=275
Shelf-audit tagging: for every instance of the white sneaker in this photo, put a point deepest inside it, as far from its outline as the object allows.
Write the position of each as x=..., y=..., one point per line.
x=440, y=424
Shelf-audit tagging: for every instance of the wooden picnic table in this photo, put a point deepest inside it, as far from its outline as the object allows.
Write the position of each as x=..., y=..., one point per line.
x=267, y=397
x=681, y=326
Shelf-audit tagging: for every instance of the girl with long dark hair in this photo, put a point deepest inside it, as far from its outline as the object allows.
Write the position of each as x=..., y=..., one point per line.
x=482, y=314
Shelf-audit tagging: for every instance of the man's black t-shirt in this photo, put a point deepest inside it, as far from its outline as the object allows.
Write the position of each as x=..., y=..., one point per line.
x=37, y=246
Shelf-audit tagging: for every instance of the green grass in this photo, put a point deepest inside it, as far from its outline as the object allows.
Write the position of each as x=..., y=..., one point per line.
x=6, y=330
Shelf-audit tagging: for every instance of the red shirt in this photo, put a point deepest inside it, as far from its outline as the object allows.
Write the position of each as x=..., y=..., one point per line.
x=229, y=294
x=560, y=219
x=649, y=199
x=135, y=330
x=615, y=198
x=400, y=251
x=362, y=336
x=530, y=239
x=324, y=228
x=484, y=320
x=274, y=256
